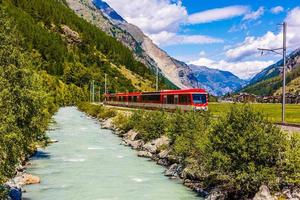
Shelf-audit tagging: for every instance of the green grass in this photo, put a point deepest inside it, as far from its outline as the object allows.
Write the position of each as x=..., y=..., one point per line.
x=272, y=111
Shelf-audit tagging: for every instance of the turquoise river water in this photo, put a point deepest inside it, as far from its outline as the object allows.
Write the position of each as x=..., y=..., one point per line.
x=88, y=163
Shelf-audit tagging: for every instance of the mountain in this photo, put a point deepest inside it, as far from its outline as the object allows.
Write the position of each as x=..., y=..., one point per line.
x=104, y=17
x=76, y=51
x=269, y=80
x=217, y=82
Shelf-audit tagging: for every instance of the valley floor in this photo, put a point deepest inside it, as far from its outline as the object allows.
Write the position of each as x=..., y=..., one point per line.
x=272, y=111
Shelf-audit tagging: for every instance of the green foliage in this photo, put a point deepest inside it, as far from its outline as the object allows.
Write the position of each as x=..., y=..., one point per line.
x=291, y=171
x=106, y=113
x=188, y=132
x=122, y=122
x=152, y=125
x=245, y=151
x=27, y=100
x=97, y=111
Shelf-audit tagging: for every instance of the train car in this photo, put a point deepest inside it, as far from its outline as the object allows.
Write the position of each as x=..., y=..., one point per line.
x=187, y=99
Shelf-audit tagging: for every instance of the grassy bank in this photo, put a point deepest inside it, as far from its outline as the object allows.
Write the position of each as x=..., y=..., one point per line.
x=271, y=111
x=237, y=153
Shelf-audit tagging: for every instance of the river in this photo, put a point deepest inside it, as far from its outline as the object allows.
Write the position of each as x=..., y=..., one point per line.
x=88, y=163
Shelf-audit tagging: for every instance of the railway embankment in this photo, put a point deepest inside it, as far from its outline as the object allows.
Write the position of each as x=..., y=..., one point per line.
x=242, y=156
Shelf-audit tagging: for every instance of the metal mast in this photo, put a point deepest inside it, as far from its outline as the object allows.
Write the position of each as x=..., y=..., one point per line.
x=284, y=71
x=284, y=47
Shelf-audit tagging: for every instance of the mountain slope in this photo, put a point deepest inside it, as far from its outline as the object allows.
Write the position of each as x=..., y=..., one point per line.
x=100, y=14
x=75, y=50
x=269, y=80
x=293, y=61
x=217, y=82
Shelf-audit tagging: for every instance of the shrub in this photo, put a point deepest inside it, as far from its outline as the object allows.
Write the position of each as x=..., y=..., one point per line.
x=151, y=125
x=244, y=151
x=122, y=121
x=106, y=113
x=188, y=131
x=291, y=171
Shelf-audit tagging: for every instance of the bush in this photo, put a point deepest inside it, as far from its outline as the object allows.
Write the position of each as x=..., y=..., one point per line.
x=188, y=132
x=291, y=171
x=122, y=121
x=106, y=113
x=151, y=124
x=244, y=151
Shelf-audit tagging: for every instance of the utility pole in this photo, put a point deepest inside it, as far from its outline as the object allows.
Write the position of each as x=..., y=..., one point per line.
x=284, y=71
x=157, y=78
x=284, y=47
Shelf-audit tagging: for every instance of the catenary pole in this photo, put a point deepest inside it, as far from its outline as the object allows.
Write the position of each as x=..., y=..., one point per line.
x=284, y=72
x=284, y=49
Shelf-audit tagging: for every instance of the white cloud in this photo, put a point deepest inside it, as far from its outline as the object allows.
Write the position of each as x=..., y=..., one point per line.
x=152, y=16
x=165, y=38
x=277, y=9
x=217, y=14
x=270, y=40
x=255, y=14
x=244, y=69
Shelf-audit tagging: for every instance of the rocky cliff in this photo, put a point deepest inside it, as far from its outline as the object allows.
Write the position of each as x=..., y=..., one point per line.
x=100, y=14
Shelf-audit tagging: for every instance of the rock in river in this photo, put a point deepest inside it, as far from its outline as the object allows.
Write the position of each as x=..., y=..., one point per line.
x=29, y=179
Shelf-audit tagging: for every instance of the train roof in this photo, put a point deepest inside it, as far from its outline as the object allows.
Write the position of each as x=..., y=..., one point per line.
x=183, y=91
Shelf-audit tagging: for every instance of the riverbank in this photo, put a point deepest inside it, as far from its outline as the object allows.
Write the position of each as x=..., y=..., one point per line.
x=161, y=151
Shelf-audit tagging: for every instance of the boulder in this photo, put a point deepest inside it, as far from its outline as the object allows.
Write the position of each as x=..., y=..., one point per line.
x=136, y=144
x=154, y=145
x=131, y=135
x=52, y=141
x=164, y=154
x=144, y=154
x=216, y=194
x=107, y=124
x=29, y=179
x=163, y=162
x=286, y=192
x=174, y=170
x=296, y=193
x=263, y=194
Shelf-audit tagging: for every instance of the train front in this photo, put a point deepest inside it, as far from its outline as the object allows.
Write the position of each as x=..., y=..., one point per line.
x=200, y=101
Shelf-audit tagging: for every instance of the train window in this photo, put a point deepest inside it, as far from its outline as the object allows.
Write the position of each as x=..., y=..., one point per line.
x=135, y=99
x=170, y=99
x=151, y=98
x=130, y=99
x=199, y=98
x=176, y=99
x=119, y=99
x=184, y=99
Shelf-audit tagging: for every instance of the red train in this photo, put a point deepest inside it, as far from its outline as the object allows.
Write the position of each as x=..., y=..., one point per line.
x=187, y=99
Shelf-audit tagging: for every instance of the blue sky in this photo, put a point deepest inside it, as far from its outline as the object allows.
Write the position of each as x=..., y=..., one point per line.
x=214, y=33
